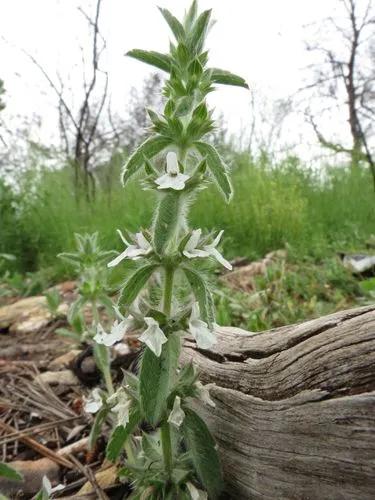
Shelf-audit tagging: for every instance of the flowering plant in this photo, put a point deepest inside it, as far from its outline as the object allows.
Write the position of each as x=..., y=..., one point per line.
x=177, y=457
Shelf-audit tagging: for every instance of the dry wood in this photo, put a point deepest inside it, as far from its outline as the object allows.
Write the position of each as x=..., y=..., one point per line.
x=295, y=408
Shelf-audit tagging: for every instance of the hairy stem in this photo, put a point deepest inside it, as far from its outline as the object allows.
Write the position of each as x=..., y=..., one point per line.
x=168, y=289
x=165, y=430
x=166, y=444
x=106, y=371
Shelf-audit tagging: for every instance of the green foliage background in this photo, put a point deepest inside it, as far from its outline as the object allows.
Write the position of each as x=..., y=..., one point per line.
x=315, y=212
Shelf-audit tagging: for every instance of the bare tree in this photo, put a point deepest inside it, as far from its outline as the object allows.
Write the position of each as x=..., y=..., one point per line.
x=81, y=130
x=268, y=121
x=345, y=77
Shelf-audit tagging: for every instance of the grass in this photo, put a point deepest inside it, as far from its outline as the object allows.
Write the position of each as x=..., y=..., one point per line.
x=314, y=214
x=274, y=205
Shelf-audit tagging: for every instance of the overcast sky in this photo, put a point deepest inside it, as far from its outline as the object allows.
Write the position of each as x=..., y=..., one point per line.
x=262, y=40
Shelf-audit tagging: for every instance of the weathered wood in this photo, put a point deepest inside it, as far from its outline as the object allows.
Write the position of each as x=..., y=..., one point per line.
x=295, y=408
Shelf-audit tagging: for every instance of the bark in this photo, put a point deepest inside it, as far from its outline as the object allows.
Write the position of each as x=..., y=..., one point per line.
x=295, y=408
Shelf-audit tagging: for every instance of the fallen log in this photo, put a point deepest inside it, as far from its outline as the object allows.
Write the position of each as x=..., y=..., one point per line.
x=295, y=408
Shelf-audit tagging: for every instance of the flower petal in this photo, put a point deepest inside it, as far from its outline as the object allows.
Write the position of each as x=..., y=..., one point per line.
x=46, y=485
x=177, y=415
x=193, y=241
x=122, y=237
x=100, y=333
x=94, y=402
x=176, y=182
x=204, y=337
x=217, y=255
x=204, y=393
x=195, y=493
x=143, y=243
x=217, y=239
x=172, y=163
x=118, y=259
x=195, y=253
x=153, y=336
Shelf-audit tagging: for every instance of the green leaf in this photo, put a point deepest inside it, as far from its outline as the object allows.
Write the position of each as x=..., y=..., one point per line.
x=191, y=15
x=227, y=78
x=9, y=473
x=217, y=168
x=151, y=448
x=97, y=426
x=121, y=434
x=149, y=148
x=166, y=221
x=198, y=32
x=202, y=293
x=107, y=303
x=76, y=309
x=157, y=376
x=195, y=69
x=135, y=283
x=64, y=332
x=201, y=445
x=161, y=61
x=183, y=55
x=173, y=23
x=184, y=105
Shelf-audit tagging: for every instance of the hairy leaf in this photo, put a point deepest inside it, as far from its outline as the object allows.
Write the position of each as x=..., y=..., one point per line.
x=217, y=168
x=9, y=473
x=135, y=283
x=173, y=23
x=161, y=61
x=202, y=293
x=149, y=148
x=157, y=377
x=201, y=445
x=227, y=78
x=121, y=434
x=198, y=32
x=97, y=426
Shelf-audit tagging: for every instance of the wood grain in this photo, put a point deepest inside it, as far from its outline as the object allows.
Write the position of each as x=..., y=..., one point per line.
x=295, y=408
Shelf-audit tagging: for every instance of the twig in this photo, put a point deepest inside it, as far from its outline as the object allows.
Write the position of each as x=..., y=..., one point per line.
x=35, y=429
x=43, y=450
x=90, y=476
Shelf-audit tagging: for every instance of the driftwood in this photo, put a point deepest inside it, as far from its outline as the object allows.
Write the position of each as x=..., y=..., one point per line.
x=295, y=408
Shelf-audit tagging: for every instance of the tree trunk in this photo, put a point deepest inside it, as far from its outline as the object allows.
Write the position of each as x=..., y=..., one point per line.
x=295, y=408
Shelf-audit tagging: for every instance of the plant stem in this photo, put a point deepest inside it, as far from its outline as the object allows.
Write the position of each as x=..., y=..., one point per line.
x=105, y=370
x=166, y=444
x=165, y=433
x=168, y=288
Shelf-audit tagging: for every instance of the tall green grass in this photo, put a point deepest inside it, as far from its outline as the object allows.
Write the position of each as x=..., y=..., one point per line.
x=314, y=212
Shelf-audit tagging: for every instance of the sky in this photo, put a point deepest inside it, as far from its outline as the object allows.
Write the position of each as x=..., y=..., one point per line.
x=262, y=40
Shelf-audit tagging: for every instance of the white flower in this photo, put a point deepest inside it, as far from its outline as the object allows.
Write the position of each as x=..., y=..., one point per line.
x=153, y=336
x=204, y=393
x=172, y=179
x=133, y=251
x=195, y=493
x=118, y=331
x=177, y=415
x=122, y=406
x=204, y=337
x=191, y=251
x=212, y=250
x=47, y=486
x=94, y=402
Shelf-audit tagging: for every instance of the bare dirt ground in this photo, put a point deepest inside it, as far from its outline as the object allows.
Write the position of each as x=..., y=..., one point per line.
x=43, y=428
